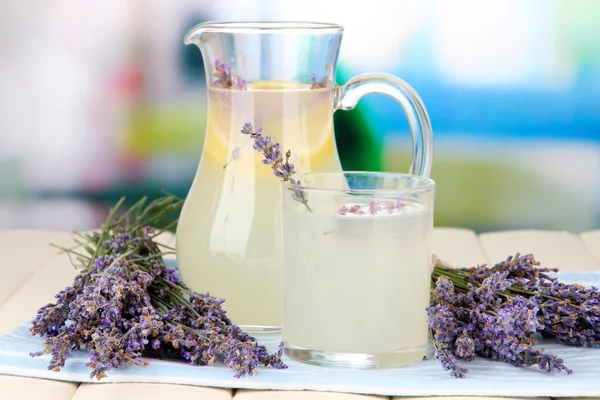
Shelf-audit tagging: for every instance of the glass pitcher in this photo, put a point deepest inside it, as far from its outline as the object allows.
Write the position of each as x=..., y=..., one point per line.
x=279, y=76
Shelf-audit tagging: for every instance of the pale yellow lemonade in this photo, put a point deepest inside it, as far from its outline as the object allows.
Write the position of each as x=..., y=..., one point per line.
x=228, y=236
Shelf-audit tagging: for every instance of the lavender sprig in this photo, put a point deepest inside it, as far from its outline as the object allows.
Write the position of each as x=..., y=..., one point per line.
x=225, y=79
x=282, y=168
x=127, y=304
x=477, y=321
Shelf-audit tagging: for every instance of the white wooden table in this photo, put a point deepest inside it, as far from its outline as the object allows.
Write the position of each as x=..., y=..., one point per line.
x=32, y=272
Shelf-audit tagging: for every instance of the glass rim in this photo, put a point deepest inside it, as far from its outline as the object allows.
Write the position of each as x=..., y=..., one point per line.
x=267, y=26
x=426, y=184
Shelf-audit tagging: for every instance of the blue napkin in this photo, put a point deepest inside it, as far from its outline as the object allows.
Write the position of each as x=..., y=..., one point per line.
x=486, y=378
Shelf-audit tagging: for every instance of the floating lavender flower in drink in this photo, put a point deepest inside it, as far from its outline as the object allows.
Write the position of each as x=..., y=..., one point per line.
x=225, y=79
x=314, y=84
x=373, y=208
x=324, y=82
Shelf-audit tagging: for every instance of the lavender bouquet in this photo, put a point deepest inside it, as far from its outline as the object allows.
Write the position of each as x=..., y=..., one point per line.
x=497, y=313
x=126, y=304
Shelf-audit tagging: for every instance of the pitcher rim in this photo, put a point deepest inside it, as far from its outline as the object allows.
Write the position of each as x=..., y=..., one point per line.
x=267, y=26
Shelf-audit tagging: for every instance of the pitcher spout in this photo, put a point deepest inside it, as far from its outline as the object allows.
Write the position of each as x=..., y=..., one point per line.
x=194, y=34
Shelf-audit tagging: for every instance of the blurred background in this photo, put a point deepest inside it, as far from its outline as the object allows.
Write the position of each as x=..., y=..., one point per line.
x=102, y=99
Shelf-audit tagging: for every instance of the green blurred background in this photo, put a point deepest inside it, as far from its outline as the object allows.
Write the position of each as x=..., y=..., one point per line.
x=103, y=100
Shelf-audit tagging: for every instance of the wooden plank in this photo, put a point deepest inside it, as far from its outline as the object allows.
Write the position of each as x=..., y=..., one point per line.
x=16, y=387
x=457, y=247
x=23, y=253
x=574, y=398
x=54, y=275
x=148, y=391
x=472, y=398
x=168, y=239
x=300, y=395
x=592, y=242
x=26, y=253
x=555, y=249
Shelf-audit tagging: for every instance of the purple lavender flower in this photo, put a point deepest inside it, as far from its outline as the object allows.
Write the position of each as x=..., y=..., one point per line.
x=520, y=268
x=465, y=347
x=443, y=322
x=272, y=154
x=247, y=129
x=223, y=69
x=122, y=241
x=444, y=291
x=374, y=208
x=550, y=363
x=242, y=359
x=314, y=84
x=225, y=79
x=390, y=206
x=262, y=143
x=238, y=83
x=356, y=209
x=298, y=195
x=282, y=168
x=275, y=359
x=449, y=363
x=324, y=82
x=287, y=168
x=102, y=262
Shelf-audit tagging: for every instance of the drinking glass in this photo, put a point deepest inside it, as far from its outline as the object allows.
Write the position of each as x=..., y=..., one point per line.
x=357, y=268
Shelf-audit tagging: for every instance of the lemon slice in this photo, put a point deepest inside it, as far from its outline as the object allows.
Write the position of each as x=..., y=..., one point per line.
x=215, y=144
x=319, y=143
x=274, y=84
x=314, y=143
x=320, y=147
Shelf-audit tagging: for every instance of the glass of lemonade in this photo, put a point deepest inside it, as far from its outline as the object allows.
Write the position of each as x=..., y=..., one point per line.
x=357, y=269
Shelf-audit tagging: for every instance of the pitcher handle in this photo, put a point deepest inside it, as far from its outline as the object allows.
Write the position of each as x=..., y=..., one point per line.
x=407, y=97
